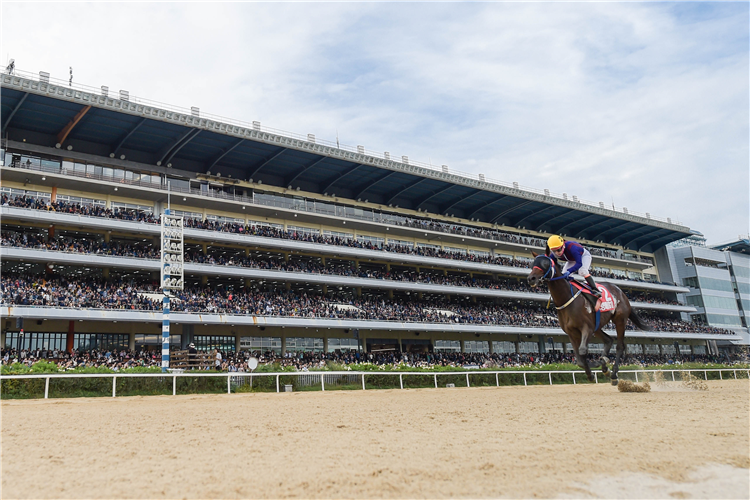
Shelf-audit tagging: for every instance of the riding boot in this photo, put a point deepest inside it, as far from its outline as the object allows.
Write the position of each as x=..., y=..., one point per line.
x=594, y=291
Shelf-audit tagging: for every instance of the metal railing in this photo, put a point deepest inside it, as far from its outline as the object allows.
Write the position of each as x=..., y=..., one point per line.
x=312, y=378
x=343, y=147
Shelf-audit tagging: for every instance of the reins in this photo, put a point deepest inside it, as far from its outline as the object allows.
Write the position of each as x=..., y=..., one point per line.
x=555, y=278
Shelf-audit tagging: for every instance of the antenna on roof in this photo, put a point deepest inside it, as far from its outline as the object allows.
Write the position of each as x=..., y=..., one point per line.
x=70, y=83
x=338, y=146
x=11, y=67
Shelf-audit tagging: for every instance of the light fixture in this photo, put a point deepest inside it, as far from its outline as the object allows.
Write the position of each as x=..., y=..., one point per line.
x=70, y=148
x=115, y=189
x=44, y=178
x=111, y=155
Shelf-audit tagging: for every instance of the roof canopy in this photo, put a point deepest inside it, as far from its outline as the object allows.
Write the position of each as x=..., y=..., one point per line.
x=47, y=115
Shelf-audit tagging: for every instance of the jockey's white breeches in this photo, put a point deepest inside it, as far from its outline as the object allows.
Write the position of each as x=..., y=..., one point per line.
x=585, y=268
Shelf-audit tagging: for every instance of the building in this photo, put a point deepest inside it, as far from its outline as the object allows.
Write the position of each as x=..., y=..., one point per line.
x=719, y=283
x=291, y=243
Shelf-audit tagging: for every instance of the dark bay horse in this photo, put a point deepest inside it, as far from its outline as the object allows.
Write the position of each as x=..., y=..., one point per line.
x=578, y=318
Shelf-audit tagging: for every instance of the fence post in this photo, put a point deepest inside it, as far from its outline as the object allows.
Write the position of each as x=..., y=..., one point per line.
x=550, y=378
x=46, y=388
x=497, y=379
x=636, y=377
x=114, y=384
x=735, y=374
x=277, y=383
x=524, y=378
x=467, y=380
x=229, y=391
x=363, y=381
x=705, y=374
x=721, y=377
x=574, y=378
x=174, y=385
x=436, y=381
x=596, y=378
x=401, y=380
x=322, y=382
x=673, y=379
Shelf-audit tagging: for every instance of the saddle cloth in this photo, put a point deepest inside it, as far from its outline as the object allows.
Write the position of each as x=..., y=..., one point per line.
x=606, y=303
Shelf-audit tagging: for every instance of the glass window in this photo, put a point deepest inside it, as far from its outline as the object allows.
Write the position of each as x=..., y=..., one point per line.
x=336, y=344
x=447, y=346
x=261, y=344
x=480, y=346
x=211, y=342
x=304, y=344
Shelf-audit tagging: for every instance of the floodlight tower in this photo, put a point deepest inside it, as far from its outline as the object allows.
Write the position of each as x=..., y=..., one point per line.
x=172, y=269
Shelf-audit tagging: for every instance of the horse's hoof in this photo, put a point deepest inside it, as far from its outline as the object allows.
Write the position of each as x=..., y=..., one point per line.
x=605, y=371
x=591, y=378
x=614, y=381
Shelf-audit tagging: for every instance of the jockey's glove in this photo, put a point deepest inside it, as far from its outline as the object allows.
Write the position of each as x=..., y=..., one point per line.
x=566, y=274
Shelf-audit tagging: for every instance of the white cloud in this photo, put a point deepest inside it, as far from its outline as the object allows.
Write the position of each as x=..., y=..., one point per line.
x=646, y=104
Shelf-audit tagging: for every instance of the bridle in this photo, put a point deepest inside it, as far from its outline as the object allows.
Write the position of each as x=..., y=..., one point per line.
x=550, y=271
x=544, y=277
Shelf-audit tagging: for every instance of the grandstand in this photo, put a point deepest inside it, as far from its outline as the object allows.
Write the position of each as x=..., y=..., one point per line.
x=292, y=244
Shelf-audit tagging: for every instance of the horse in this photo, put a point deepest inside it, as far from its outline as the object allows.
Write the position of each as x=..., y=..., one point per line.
x=578, y=319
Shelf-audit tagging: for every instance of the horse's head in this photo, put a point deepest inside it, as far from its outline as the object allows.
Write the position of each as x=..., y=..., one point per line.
x=541, y=269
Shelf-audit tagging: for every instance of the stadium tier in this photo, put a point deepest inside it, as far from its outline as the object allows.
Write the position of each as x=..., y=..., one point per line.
x=290, y=243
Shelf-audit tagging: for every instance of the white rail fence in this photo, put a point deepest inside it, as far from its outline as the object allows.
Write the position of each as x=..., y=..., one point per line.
x=311, y=379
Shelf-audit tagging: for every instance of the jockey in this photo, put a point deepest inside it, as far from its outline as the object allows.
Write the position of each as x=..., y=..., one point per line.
x=576, y=258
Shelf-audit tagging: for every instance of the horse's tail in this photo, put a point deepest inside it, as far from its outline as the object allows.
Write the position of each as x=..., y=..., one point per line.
x=637, y=321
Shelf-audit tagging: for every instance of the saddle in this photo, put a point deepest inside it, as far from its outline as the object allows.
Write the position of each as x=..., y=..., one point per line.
x=586, y=291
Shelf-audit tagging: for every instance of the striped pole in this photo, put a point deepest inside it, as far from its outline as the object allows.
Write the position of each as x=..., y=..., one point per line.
x=165, y=333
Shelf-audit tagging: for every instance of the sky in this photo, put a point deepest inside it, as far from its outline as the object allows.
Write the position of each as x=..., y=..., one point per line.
x=637, y=105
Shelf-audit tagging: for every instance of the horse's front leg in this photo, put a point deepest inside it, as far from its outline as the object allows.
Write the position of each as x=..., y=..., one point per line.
x=607, y=346
x=581, y=351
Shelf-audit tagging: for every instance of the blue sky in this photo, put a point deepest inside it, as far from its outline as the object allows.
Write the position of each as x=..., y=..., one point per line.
x=640, y=104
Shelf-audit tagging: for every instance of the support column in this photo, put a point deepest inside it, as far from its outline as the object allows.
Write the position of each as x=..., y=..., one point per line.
x=518, y=346
x=419, y=295
x=643, y=348
x=131, y=337
x=388, y=267
x=325, y=289
x=204, y=280
x=283, y=346
x=390, y=294
x=188, y=332
x=489, y=344
x=359, y=291
x=661, y=350
x=248, y=283
x=237, y=342
x=540, y=340
x=105, y=273
x=692, y=349
x=325, y=344
x=69, y=338
x=323, y=261
x=463, y=346
x=205, y=248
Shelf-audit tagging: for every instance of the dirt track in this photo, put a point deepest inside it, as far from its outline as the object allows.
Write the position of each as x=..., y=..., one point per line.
x=560, y=441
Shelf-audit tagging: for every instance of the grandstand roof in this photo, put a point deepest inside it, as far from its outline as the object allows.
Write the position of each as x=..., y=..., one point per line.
x=46, y=115
x=741, y=245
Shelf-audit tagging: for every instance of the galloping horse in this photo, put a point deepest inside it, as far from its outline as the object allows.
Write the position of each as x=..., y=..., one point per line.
x=578, y=318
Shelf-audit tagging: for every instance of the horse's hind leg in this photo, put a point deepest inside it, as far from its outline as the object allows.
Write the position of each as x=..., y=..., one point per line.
x=620, y=323
x=607, y=346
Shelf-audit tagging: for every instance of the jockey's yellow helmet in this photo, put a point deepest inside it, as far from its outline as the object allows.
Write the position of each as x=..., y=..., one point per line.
x=555, y=241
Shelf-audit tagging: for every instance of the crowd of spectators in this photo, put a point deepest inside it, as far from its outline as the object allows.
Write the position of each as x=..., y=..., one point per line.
x=98, y=247
x=276, y=232
x=99, y=294
x=118, y=359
